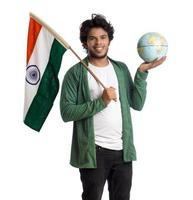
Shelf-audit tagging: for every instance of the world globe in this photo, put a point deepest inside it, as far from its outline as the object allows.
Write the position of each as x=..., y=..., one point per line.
x=152, y=46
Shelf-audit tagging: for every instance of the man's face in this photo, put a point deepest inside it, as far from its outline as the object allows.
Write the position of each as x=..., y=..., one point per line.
x=97, y=43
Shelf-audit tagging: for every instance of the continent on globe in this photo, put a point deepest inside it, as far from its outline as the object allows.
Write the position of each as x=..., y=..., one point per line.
x=152, y=46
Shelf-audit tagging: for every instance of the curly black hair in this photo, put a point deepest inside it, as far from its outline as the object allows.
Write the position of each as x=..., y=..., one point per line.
x=95, y=21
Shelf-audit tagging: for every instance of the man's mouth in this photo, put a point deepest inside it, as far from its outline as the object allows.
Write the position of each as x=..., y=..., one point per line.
x=98, y=48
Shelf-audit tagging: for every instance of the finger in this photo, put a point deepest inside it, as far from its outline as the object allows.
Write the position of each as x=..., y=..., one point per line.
x=115, y=99
x=158, y=62
x=112, y=88
x=162, y=59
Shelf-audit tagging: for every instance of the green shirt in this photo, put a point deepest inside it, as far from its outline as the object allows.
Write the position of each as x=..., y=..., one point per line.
x=76, y=105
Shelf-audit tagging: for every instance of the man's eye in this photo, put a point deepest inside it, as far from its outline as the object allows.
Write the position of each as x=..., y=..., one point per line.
x=104, y=37
x=91, y=38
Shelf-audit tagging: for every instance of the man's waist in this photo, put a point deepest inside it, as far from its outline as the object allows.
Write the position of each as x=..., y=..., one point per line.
x=107, y=149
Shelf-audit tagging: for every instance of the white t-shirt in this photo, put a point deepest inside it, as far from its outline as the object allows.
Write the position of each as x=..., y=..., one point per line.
x=108, y=122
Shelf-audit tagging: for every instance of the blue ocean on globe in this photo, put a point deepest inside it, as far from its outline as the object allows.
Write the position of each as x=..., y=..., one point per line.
x=152, y=46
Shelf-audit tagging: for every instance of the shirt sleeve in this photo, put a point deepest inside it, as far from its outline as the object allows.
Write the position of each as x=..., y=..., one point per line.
x=69, y=108
x=137, y=90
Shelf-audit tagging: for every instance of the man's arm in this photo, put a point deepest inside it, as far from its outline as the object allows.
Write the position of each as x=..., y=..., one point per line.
x=69, y=108
x=137, y=90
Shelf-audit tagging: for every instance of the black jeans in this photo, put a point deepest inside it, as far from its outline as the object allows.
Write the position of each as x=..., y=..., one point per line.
x=110, y=167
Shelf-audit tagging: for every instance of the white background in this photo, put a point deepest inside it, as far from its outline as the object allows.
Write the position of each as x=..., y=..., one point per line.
x=35, y=166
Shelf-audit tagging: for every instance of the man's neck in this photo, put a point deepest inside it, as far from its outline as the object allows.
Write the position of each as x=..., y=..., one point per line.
x=99, y=62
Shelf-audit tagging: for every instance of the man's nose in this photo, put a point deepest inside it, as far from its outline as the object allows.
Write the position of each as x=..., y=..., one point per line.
x=98, y=41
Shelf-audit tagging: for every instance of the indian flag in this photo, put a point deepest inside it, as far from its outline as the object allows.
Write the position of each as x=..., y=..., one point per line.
x=45, y=49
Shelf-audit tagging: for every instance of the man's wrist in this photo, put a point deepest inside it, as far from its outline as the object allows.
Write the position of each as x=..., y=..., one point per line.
x=141, y=69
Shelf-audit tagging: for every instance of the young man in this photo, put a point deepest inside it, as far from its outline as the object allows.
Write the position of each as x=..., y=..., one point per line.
x=102, y=144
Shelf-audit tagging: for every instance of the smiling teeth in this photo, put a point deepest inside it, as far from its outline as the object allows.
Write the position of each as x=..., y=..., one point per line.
x=99, y=48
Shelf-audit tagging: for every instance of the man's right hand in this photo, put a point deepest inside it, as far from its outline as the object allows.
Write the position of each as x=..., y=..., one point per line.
x=109, y=94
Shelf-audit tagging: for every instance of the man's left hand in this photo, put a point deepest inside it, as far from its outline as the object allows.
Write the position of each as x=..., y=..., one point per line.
x=147, y=66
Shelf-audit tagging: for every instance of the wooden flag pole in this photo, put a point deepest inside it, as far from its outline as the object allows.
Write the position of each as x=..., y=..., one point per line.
x=90, y=71
x=56, y=35
x=66, y=45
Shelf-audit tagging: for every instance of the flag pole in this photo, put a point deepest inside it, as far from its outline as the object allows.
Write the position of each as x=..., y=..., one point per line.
x=90, y=71
x=66, y=45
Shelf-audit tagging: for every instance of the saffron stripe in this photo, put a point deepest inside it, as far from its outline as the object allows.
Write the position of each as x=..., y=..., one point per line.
x=33, y=32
